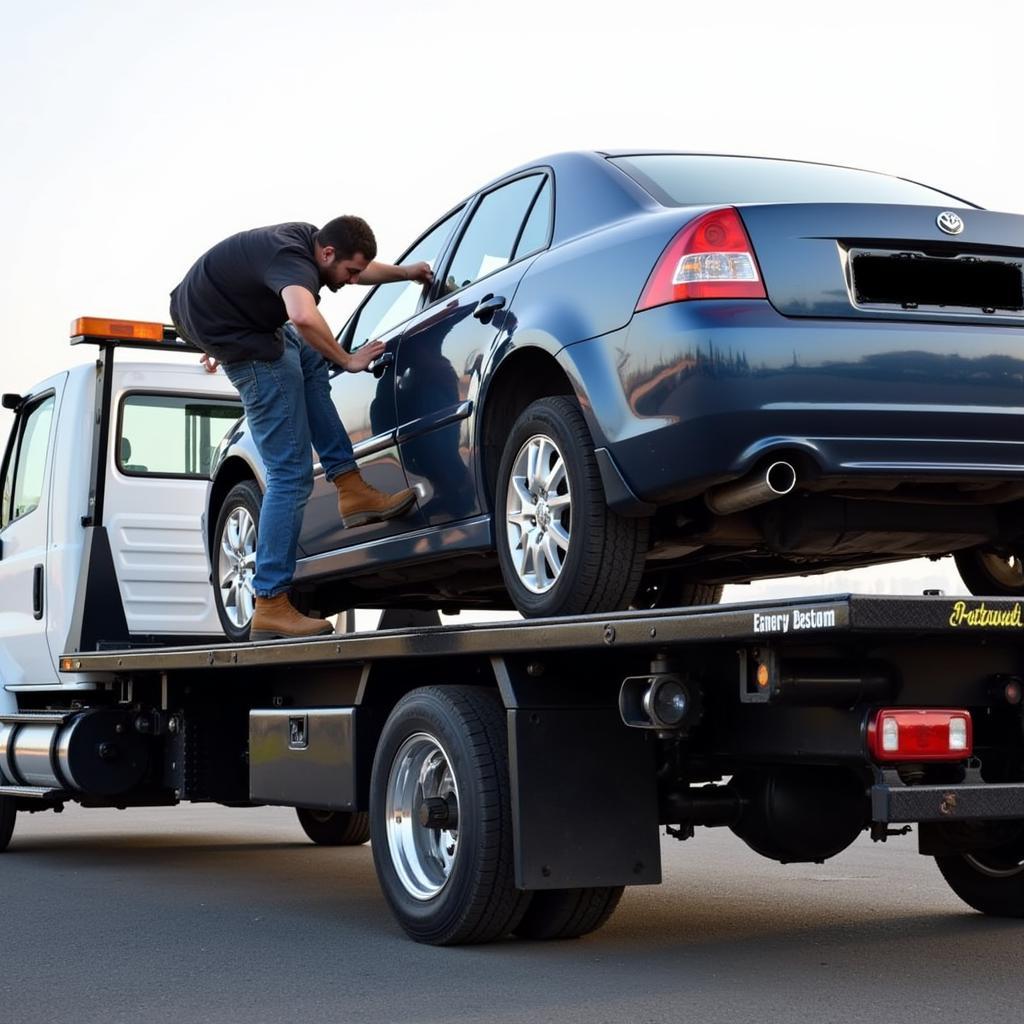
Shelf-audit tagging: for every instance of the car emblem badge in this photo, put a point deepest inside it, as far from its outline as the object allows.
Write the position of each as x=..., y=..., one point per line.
x=949, y=222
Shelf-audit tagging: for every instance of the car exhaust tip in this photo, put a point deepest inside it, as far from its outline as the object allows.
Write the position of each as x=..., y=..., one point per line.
x=775, y=481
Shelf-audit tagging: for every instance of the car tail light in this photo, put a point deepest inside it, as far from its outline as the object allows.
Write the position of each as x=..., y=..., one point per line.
x=711, y=258
x=920, y=734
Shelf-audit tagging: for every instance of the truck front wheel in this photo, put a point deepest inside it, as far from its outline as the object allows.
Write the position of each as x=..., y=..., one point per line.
x=8, y=812
x=440, y=817
x=334, y=828
x=991, y=881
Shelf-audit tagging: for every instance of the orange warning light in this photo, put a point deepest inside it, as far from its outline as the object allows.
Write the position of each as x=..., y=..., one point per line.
x=128, y=330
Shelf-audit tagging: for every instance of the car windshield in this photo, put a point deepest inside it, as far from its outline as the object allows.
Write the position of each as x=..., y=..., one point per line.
x=676, y=179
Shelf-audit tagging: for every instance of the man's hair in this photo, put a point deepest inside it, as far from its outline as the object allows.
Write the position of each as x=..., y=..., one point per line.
x=348, y=235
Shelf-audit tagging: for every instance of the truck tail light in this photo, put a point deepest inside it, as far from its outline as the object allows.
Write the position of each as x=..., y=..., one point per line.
x=710, y=258
x=920, y=734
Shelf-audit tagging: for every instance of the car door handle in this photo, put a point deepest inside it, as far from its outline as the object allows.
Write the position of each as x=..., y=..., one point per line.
x=488, y=306
x=380, y=364
x=37, y=591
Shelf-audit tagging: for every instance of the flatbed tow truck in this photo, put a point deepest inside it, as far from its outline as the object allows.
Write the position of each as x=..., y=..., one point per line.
x=515, y=777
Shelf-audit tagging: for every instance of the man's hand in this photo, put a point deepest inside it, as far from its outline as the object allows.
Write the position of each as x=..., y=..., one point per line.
x=209, y=363
x=419, y=272
x=361, y=358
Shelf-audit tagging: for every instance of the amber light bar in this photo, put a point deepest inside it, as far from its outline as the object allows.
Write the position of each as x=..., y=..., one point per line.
x=121, y=330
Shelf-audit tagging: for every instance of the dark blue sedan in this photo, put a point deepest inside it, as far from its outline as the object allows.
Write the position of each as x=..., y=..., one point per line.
x=640, y=376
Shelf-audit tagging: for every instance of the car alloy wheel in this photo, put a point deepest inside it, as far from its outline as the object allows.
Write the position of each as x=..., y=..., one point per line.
x=538, y=514
x=423, y=856
x=992, y=571
x=236, y=566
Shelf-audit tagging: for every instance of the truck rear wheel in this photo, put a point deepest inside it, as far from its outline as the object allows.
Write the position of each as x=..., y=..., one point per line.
x=8, y=812
x=234, y=558
x=568, y=913
x=441, y=820
x=991, y=881
x=334, y=828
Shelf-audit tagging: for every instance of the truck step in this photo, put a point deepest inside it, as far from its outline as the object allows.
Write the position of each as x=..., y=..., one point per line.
x=34, y=792
x=36, y=718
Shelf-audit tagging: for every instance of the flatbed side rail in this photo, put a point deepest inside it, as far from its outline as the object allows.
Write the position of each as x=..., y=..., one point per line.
x=813, y=618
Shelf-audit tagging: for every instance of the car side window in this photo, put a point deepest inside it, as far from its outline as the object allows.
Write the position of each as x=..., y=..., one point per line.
x=488, y=241
x=172, y=435
x=538, y=223
x=391, y=304
x=26, y=468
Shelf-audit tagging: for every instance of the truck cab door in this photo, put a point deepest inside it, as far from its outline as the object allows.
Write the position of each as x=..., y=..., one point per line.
x=27, y=474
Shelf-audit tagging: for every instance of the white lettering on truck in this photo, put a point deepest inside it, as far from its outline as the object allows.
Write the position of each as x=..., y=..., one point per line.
x=800, y=618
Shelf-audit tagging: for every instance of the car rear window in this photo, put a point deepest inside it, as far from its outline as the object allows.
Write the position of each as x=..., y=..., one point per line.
x=690, y=180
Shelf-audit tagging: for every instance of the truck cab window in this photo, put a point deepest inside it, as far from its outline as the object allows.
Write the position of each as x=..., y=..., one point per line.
x=26, y=466
x=171, y=435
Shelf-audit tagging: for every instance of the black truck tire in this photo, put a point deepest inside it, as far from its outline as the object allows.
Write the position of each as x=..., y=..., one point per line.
x=568, y=913
x=447, y=745
x=991, y=881
x=600, y=554
x=8, y=812
x=334, y=828
x=245, y=500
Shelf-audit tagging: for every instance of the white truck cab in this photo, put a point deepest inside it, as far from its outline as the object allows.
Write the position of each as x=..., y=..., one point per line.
x=105, y=474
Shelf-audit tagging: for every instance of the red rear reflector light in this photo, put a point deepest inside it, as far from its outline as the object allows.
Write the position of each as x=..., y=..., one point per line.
x=711, y=258
x=920, y=734
x=131, y=330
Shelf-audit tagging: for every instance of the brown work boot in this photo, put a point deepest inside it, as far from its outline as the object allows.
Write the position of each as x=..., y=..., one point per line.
x=276, y=618
x=360, y=503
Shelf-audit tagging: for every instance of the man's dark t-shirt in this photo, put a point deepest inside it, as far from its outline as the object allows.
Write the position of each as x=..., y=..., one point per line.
x=229, y=303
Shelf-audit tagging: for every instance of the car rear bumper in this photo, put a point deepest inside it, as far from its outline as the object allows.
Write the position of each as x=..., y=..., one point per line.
x=692, y=394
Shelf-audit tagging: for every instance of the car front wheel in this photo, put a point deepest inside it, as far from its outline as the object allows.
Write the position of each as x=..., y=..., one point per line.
x=562, y=550
x=234, y=559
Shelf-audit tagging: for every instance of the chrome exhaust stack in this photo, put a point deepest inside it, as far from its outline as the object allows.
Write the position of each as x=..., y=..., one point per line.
x=760, y=487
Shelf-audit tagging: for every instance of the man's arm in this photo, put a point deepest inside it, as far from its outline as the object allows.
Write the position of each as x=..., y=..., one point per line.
x=385, y=273
x=302, y=312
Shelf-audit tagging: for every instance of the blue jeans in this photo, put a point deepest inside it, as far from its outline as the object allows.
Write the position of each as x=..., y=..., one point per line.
x=289, y=411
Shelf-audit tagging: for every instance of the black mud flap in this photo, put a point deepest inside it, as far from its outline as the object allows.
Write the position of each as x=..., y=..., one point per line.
x=584, y=799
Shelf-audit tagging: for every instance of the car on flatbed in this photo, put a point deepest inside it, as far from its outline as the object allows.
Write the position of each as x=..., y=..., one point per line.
x=640, y=376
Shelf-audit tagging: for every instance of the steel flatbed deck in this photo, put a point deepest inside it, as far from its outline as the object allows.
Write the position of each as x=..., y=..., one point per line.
x=823, y=618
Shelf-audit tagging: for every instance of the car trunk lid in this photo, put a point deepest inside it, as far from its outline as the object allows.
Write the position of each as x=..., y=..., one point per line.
x=888, y=261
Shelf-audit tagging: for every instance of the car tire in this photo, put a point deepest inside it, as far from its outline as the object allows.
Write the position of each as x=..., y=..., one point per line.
x=574, y=555
x=8, y=812
x=449, y=745
x=233, y=558
x=334, y=828
x=568, y=913
x=989, y=572
x=665, y=590
x=991, y=881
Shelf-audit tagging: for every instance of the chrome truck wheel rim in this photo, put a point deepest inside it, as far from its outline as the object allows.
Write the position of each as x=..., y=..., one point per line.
x=538, y=514
x=236, y=566
x=423, y=857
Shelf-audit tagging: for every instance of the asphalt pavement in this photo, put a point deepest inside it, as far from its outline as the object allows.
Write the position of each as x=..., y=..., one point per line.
x=208, y=914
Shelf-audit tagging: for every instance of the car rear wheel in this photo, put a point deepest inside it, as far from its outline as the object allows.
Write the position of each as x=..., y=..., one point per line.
x=8, y=812
x=992, y=571
x=562, y=551
x=992, y=880
x=441, y=818
x=234, y=558
x=334, y=828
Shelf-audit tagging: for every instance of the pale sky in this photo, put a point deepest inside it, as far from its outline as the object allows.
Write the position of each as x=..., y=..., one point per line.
x=136, y=134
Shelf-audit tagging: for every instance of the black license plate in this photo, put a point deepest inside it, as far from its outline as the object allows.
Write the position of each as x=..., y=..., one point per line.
x=913, y=282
